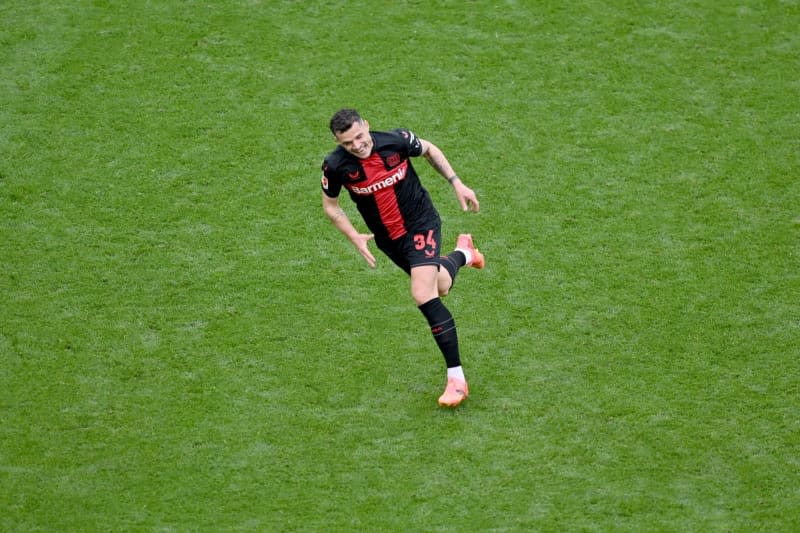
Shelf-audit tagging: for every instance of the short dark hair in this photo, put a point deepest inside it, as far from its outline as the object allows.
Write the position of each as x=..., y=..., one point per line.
x=343, y=120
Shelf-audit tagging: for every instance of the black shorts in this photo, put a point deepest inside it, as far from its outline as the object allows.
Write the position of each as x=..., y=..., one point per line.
x=415, y=248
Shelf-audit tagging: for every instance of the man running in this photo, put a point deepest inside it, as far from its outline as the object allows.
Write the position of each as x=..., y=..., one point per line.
x=376, y=170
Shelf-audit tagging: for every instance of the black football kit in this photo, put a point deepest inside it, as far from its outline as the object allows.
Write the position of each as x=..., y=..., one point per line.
x=399, y=211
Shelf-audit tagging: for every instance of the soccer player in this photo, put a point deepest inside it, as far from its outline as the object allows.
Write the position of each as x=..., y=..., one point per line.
x=376, y=170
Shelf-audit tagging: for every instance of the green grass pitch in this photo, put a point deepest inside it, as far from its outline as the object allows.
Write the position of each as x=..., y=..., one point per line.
x=187, y=344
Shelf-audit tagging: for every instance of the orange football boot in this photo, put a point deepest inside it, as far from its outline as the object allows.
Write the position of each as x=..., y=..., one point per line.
x=464, y=241
x=455, y=393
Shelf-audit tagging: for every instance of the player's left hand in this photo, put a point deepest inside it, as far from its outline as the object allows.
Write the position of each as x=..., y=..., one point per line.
x=466, y=197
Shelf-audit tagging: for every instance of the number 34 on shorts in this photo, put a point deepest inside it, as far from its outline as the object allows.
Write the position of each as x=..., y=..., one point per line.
x=427, y=242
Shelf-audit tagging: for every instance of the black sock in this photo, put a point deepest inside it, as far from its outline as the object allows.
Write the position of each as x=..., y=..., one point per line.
x=443, y=328
x=453, y=262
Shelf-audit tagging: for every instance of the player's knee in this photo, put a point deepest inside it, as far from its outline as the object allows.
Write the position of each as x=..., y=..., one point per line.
x=422, y=296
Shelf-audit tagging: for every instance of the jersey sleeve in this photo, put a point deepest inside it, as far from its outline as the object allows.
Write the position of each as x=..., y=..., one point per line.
x=413, y=145
x=331, y=185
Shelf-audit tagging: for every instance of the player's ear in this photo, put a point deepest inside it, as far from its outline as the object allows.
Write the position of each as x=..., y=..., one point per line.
x=366, y=124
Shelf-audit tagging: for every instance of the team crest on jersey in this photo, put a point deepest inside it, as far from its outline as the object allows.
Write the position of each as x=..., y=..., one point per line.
x=353, y=175
x=394, y=159
x=324, y=182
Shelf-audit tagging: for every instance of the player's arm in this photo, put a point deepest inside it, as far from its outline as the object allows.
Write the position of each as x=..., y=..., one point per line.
x=342, y=222
x=465, y=196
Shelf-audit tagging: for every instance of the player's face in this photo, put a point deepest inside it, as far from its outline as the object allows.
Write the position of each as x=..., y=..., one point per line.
x=356, y=140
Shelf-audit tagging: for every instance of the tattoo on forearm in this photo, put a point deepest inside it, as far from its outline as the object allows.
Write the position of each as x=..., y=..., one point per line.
x=337, y=215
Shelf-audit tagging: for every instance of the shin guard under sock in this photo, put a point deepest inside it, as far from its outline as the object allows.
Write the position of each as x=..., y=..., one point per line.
x=443, y=328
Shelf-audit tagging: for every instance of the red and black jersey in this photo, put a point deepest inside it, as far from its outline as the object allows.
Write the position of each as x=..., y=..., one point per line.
x=385, y=187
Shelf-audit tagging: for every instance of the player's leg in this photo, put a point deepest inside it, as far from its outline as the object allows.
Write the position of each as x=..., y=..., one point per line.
x=441, y=322
x=423, y=256
x=443, y=329
x=424, y=273
x=465, y=254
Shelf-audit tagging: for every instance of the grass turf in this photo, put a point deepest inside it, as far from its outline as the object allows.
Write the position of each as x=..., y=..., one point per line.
x=187, y=344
